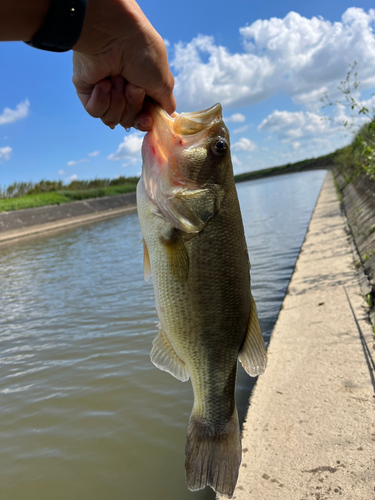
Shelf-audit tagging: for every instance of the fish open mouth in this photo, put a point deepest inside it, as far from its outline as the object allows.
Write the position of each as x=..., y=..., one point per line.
x=186, y=123
x=192, y=123
x=181, y=130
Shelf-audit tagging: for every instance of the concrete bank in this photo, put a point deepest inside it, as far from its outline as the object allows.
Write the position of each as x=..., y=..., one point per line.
x=310, y=428
x=359, y=205
x=21, y=223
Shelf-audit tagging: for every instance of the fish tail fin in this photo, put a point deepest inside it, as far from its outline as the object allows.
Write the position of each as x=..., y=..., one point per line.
x=213, y=458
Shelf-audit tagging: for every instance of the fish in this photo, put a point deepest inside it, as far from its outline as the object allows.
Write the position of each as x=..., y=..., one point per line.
x=196, y=252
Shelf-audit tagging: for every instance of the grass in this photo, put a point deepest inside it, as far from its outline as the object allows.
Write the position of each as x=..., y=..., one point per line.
x=59, y=197
x=54, y=193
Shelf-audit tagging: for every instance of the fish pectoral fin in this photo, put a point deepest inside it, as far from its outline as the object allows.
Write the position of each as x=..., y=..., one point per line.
x=164, y=357
x=253, y=354
x=197, y=206
x=146, y=262
x=177, y=257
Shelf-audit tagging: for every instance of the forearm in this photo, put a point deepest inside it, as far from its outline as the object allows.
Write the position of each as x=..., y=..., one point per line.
x=21, y=19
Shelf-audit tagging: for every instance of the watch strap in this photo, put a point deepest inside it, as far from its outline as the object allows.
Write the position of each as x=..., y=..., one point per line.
x=62, y=26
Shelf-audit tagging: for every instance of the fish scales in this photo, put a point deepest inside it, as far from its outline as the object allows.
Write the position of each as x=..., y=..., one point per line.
x=196, y=252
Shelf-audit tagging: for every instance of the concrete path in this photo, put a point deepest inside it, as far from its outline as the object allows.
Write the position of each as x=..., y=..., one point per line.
x=310, y=429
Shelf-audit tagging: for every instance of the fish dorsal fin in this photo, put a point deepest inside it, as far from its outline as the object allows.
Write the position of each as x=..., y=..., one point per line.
x=253, y=354
x=146, y=262
x=177, y=256
x=164, y=357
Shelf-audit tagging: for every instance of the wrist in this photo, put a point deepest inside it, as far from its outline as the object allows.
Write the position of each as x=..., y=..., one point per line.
x=108, y=22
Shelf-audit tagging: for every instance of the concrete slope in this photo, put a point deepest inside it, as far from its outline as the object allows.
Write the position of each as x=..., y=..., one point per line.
x=21, y=223
x=310, y=428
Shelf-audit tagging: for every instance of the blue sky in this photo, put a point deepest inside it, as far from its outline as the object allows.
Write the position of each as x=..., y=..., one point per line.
x=267, y=62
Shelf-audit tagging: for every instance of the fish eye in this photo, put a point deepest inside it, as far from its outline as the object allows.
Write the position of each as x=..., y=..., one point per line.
x=219, y=146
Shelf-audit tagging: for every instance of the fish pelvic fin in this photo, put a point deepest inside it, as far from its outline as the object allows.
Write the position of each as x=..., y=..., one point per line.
x=213, y=458
x=253, y=353
x=165, y=358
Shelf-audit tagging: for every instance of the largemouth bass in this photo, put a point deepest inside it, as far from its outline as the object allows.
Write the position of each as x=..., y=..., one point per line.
x=195, y=250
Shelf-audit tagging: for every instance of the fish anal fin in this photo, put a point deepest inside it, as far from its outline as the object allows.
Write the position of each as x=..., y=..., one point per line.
x=146, y=262
x=177, y=257
x=164, y=357
x=253, y=354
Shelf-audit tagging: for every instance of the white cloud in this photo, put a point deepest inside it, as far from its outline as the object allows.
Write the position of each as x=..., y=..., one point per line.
x=94, y=153
x=74, y=162
x=5, y=153
x=290, y=126
x=62, y=172
x=73, y=177
x=236, y=162
x=129, y=150
x=241, y=129
x=296, y=145
x=12, y=115
x=235, y=118
x=244, y=144
x=295, y=55
x=131, y=162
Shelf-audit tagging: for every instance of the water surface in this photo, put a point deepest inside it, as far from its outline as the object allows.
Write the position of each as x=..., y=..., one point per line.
x=84, y=413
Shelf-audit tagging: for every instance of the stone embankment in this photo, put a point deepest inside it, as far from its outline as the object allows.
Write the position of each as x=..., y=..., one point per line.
x=310, y=429
x=358, y=203
x=21, y=223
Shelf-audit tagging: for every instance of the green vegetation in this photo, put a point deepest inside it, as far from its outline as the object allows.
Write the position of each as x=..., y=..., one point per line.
x=29, y=195
x=357, y=158
x=31, y=201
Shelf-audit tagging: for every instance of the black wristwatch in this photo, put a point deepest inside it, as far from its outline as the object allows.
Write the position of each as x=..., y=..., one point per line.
x=61, y=27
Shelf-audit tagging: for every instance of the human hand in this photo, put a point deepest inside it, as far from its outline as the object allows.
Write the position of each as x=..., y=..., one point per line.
x=118, y=60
